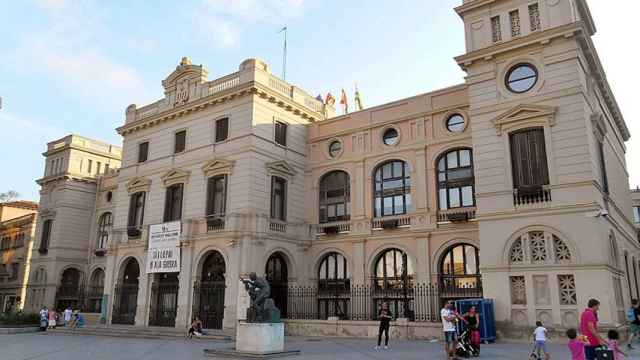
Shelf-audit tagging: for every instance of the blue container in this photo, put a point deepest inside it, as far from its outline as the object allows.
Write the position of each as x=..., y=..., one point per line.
x=487, y=319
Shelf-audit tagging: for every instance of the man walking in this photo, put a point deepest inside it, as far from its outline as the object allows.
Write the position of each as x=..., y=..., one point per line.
x=589, y=328
x=634, y=327
x=67, y=315
x=449, y=317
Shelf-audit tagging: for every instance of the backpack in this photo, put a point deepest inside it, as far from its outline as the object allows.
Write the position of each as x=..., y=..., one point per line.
x=631, y=314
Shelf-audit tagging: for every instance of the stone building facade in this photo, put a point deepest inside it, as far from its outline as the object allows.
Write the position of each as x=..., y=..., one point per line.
x=17, y=230
x=511, y=186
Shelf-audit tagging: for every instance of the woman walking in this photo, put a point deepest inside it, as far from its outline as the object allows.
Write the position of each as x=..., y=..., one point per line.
x=385, y=320
x=472, y=319
x=52, y=319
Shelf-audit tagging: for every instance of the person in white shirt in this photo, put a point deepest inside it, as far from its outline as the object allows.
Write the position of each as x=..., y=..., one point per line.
x=67, y=315
x=540, y=337
x=449, y=317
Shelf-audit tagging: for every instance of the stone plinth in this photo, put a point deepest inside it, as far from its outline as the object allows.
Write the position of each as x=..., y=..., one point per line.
x=260, y=337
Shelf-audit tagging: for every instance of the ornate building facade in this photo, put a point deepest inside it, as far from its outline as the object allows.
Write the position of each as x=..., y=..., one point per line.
x=511, y=186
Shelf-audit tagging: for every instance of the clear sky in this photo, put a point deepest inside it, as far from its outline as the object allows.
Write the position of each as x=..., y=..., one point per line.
x=73, y=66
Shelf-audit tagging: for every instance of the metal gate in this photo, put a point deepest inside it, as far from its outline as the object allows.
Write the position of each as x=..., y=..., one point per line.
x=125, y=301
x=164, y=304
x=208, y=303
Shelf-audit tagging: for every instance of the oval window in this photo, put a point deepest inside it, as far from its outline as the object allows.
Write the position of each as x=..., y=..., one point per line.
x=390, y=136
x=334, y=148
x=521, y=78
x=455, y=123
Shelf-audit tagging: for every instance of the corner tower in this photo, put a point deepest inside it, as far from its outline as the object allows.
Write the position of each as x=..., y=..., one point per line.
x=551, y=177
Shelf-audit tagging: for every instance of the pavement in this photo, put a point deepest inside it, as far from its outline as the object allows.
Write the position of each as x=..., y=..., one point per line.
x=37, y=346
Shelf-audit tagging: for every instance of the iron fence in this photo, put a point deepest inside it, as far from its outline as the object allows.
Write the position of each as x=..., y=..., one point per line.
x=416, y=302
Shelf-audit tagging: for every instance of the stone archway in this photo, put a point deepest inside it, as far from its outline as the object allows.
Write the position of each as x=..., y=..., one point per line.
x=125, y=296
x=209, y=291
x=70, y=290
x=277, y=274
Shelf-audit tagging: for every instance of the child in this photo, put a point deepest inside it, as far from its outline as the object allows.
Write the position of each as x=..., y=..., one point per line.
x=576, y=344
x=612, y=343
x=540, y=337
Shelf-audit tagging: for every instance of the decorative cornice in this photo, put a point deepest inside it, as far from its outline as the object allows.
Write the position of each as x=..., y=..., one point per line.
x=138, y=184
x=523, y=113
x=250, y=88
x=175, y=176
x=65, y=176
x=218, y=167
x=280, y=168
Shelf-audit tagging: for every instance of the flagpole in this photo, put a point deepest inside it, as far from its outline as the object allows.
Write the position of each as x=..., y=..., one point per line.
x=284, y=54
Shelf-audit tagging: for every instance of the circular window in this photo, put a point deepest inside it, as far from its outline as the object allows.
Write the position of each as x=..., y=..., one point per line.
x=334, y=148
x=455, y=123
x=109, y=196
x=521, y=78
x=390, y=137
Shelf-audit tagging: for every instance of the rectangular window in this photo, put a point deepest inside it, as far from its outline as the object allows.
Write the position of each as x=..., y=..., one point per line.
x=173, y=203
x=46, y=236
x=281, y=133
x=496, y=32
x=603, y=168
x=216, y=195
x=636, y=214
x=180, y=142
x=514, y=17
x=534, y=17
x=278, y=198
x=89, y=166
x=222, y=129
x=98, y=167
x=106, y=168
x=529, y=160
x=143, y=151
x=136, y=210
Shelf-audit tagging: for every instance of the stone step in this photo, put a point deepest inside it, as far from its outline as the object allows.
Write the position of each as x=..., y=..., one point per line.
x=137, y=332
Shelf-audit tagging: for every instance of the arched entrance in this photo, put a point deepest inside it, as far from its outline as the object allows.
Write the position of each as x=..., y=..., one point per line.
x=164, y=299
x=278, y=276
x=460, y=272
x=70, y=290
x=208, y=292
x=94, y=294
x=125, y=296
x=393, y=282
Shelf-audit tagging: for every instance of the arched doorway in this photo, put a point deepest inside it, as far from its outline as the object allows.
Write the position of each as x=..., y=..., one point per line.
x=125, y=296
x=164, y=299
x=208, y=293
x=334, y=287
x=393, y=282
x=460, y=272
x=70, y=290
x=278, y=276
x=94, y=294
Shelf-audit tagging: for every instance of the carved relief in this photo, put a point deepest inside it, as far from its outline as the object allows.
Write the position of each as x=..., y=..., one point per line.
x=538, y=246
x=516, y=254
x=561, y=250
x=541, y=290
x=567, y=290
x=518, y=290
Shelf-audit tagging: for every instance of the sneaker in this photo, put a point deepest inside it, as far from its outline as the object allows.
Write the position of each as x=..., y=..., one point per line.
x=386, y=347
x=376, y=348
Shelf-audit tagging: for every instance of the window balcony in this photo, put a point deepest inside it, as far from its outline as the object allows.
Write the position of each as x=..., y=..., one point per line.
x=277, y=225
x=215, y=223
x=333, y=228
x=391, y=222
x=531, y=195
x=455, y=215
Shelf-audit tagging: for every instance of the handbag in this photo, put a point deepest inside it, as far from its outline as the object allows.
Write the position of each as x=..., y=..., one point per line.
x=475, y=337
x=604, y=353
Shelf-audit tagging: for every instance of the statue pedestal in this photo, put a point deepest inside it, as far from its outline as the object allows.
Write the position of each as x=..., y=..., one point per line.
x=259, y=337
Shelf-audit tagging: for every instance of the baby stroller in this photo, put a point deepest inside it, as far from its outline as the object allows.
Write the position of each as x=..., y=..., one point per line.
x=465, y=347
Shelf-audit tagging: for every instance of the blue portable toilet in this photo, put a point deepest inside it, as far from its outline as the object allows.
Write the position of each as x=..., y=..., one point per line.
x=487, y=318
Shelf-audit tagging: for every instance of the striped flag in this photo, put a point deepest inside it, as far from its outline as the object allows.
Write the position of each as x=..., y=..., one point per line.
x=329, y=99
x=359, y=105
x=344, y=102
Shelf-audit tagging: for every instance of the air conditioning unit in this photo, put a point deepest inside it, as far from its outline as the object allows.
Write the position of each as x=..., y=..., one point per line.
x=330, y=230
x=458, y=217
x=389, y=224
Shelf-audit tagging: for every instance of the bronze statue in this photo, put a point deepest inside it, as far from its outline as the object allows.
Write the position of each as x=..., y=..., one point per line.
x=262, y=308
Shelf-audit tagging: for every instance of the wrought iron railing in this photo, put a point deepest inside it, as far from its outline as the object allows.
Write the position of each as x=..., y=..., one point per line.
x=416, y=302
x=457, y=215
x=391, y=222
x=125, y=301
x=208, y=303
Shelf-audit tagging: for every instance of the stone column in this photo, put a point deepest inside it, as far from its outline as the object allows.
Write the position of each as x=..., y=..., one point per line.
x=110, y=278
x=358, y=273
x=358, y=191
x=423, y=267
x=232, y=277
x=185, y=290
x=420, y=184
x=142, y=306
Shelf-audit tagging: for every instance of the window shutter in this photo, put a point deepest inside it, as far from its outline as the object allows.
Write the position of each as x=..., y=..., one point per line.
x=167, y=204
x=177, y=213
x=273, y=200
x=529, y=159
x=210, y=194
x=143, y=152
x=132, y=210
x=222, y=129
x=180, y=141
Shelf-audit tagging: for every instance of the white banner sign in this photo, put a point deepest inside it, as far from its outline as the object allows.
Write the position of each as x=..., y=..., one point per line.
x=162, y=260
x=164, y=235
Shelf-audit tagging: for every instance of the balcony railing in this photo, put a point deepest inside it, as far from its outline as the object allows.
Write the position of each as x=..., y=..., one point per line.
x=334, y=227
x=457, y=214
x=531, y=195
x=391, y=222
x=215, y=223
x=277, y=225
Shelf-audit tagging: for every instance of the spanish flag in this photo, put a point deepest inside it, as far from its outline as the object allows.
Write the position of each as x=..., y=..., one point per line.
x=344, y=102
x=329, y=99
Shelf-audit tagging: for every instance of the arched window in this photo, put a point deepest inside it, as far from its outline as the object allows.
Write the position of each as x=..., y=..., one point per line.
x=391, y=188
x=277, y=275
x=460, y=269
x=455, y=179
x=208, y=294
x=332, y=272
x=393, y=270
x=334, y=197
x=69, y=292
x=104, y=229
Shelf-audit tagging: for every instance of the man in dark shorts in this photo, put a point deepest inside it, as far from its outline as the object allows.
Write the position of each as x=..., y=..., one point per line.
x=589, y=328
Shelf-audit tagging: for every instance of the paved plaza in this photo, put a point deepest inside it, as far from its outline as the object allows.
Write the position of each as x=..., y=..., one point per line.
x=63, y=347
